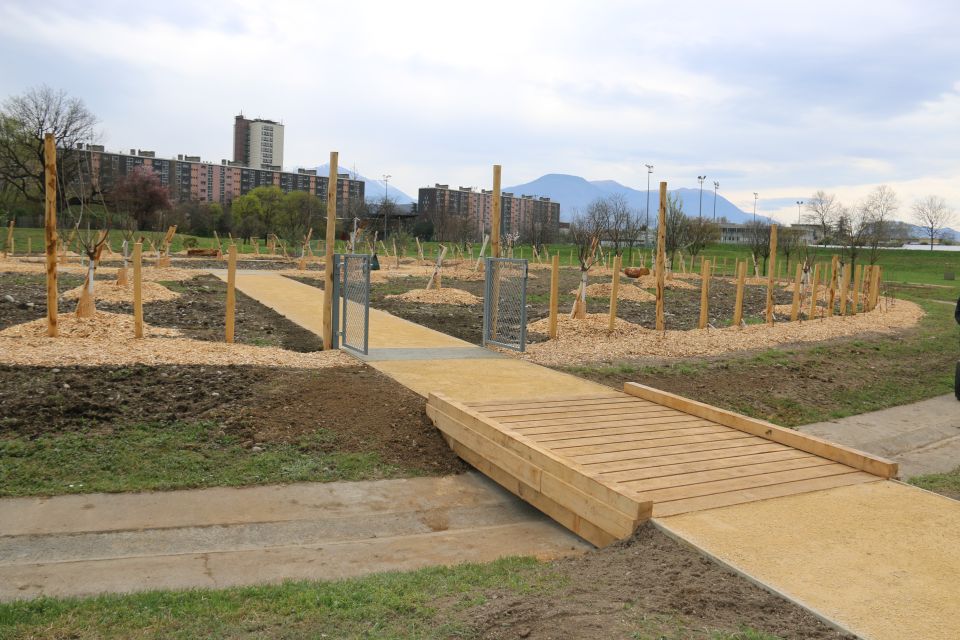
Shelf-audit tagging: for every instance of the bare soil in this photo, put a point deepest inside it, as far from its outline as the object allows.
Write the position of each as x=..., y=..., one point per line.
x=646, y=587
x=356, y=408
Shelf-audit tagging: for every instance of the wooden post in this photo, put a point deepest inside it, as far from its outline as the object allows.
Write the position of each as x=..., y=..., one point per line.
x=844, y=289
x=771, y=272
x=614, y=291
x=834, y=266
x=231, y=290
x=741, y=281
x=661, y=253
x=50, y=229
x=704, y=294
x=814, y=283
x=331, y=240
x=8, y=248
x=495, y=214
x=795, y=309
x=138, y=290
x=874, y=287
x=554, y=294
x=483, y=248
x=857, y=281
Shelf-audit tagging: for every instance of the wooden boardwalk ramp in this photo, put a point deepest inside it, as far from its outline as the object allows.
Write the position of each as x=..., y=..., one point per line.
x=602, y=464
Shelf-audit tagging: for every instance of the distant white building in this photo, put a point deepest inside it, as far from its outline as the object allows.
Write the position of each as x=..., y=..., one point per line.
x=733, y=233
x=258, y=143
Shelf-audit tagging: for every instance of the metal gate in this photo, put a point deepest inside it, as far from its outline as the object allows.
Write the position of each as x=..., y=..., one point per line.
x=351, y=302
x=505, y=303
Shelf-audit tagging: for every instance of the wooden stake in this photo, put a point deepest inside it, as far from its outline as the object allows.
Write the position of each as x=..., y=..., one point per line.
x=420, y=248
x=8, y=248
x=495, y=214
x=331, y=241
x=483, y=248
x=554, y=294
x=661, y=253
x=795, y=309
x=857, y=281
x=844, y=289
x=704, y=294
x=741, y=282
x=771, y=272
x=834, y=267
x=814, y=283
x=614, y=291
x=434, y=282
x=138, y=290
x=50, y=229
x=231, y=290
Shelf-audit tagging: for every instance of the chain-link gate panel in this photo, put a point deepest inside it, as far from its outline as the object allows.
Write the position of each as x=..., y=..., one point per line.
x=355, y=305
x=505, y=303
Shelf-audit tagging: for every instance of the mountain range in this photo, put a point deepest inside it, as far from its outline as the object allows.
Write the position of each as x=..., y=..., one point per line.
x=373, y=189
x=575, y=194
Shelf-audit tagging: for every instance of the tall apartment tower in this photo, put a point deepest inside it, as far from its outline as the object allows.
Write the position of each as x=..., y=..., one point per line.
x=258, y=143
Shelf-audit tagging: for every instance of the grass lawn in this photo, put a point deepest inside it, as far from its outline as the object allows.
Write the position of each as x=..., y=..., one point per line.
x=429, y=603
x=946, y=483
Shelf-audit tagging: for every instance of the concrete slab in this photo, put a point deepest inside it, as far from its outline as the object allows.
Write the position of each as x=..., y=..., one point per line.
x=924, y=437
x=881, y=558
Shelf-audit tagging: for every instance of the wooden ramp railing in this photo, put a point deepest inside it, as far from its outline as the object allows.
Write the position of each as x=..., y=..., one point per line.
x=602, y=464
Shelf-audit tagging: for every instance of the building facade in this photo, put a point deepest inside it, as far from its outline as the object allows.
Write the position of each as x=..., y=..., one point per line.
x=191, y=180
x=258, y=143
x=529, y=218
x=733, y=233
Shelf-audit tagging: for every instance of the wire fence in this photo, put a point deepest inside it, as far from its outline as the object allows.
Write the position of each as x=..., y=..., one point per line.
x=505, y=303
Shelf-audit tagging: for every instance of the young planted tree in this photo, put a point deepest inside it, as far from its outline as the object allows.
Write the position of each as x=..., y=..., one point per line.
x=880, y=207
x=586, y=231
x=758, y=239
x=678, y=228
x=933, y=215
x=822, y=209
x=790, y=242
x=701, y=233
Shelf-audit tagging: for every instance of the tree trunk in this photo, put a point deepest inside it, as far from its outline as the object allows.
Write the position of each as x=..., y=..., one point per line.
x=86, y=307
x=579, y=311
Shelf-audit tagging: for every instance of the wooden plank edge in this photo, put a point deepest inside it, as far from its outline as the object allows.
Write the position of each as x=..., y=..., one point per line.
x=811, y=444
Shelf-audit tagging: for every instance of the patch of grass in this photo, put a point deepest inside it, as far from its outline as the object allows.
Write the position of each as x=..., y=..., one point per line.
x=164, y=456
x=947, y=484
x=388, y=605
x=744, y=634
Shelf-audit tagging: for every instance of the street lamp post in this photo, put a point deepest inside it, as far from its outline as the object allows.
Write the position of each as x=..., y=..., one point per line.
x=756, y=196
x=701, y=179
x=799, y=217
x=646, y=229
x=716, y=186
x=383, y=208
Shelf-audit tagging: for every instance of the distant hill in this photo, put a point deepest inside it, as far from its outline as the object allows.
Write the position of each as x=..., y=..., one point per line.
x=373, y=189
x=576, y=193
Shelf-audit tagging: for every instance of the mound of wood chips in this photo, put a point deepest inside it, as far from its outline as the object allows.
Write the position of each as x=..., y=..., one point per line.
x=150, y=272
x=438, y=296
x=650, y=282
x=589, y=340
x=108, y=340
x=112, y=292
x=626, y=291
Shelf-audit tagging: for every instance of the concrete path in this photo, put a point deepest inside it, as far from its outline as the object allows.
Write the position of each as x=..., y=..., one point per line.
x=924, y=437
x=87, y=544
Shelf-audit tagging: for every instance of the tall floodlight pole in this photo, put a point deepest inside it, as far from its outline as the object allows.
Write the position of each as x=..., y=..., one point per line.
x=386, y=187
x=799, y=217
x=755, y=197
x=701, y=179
x=646, y=229
x=716, y=186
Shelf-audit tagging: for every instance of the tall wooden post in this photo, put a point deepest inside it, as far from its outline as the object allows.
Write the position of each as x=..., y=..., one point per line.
x=495, y=214
x=331, y=241
x=741, y=281
x=138, y=290
x=857, y=281
x=795, y=309
x=661, y=253
x=231, y=291
x=554, y=294
x=50, y=229
x=815, y=282
x=704, y=294
x=834, y=266
x=844, y=289
x=614, y=291
x=771, y=272
x=9, y=248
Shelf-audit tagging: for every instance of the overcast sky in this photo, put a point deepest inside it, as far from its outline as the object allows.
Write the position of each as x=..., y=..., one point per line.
x=781, y=98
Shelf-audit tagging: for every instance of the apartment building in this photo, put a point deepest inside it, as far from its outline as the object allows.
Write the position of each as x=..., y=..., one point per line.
x=191, y=179
x=525, y=216
x=258, y=143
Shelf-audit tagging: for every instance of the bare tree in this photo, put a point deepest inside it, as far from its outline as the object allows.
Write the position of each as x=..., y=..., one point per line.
x=853, y=225
x=24, y=120
x=790, y=242
x=880, y=207
x=933, y=215
x=586, y=230
x=822, y=209
x=678, y=228
x=701, y=233
x=758, y=239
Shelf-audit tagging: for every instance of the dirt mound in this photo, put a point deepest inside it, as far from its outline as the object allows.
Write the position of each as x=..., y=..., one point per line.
x=679, y=281
x=438, y=296
x=626, y=291
x=112, y=292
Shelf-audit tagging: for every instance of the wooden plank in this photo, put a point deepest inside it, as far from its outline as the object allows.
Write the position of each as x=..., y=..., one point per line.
x=614, y=420
x=515, y=421
x=138, y=290
x=538, y=433
x=495, y=214
x=603, y=469
x=810, y=444
x=637, y=437
x=554, y=295
x=231, y=292
x=513, y=415
x=741, y=282
x=661, y=254
x=520, y=404
x=749, y=482
x=704, y=294
x=713, y=476
x=648, y=444
x=795, y=307
x=694, y=466
x=700, y=503
x=331, y=239
x=587, y=460
x=604, y=516
x=614, y=292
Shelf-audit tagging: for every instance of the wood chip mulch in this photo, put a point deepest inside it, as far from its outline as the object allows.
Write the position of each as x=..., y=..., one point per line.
x=438, y=296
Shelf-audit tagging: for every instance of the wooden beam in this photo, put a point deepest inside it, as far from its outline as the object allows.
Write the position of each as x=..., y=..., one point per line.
x=614, y=292
x=554, y=294
x=331, y=240
x=231, y=291
x=741, y=282
x=50, y=229
x=814, y=283
x=844, y=289
x=795, y=309
x=495, y=214
x=704, y=294
x=851, y=457
x=661, y=253
x=771, y=272
x=831, y=299
x=857, y=277
x=138, y=290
